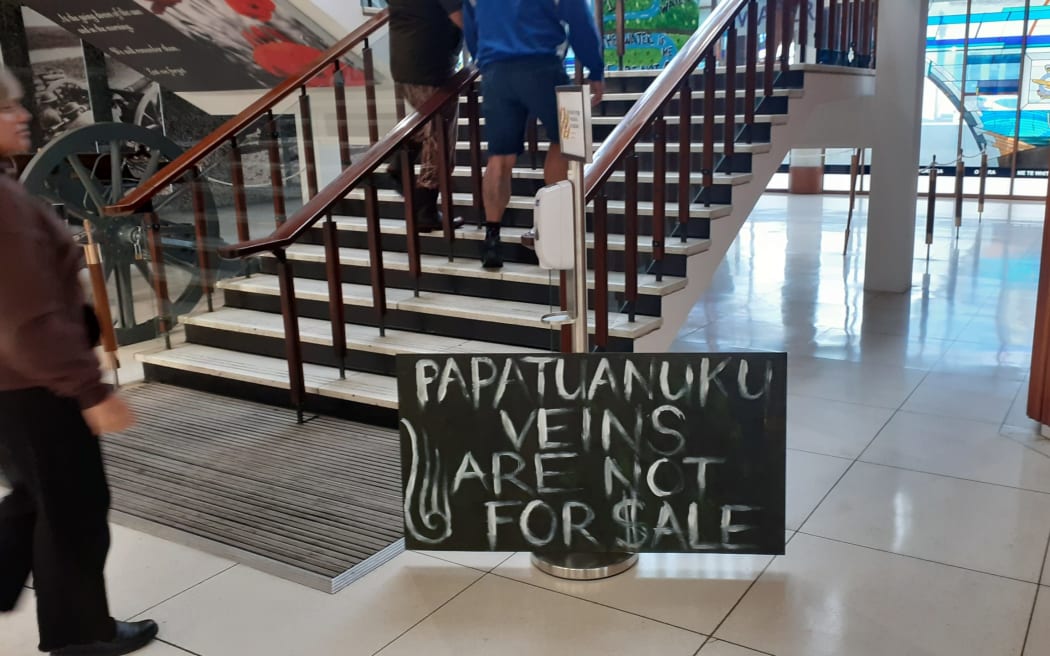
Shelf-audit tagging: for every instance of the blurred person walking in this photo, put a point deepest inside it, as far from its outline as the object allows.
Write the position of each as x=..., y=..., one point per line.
x=53, y=407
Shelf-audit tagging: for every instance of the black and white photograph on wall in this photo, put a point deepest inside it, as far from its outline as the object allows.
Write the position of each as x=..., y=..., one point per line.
x=270, y=40
x=202, y=45
x=135, y=98
x=60, y=86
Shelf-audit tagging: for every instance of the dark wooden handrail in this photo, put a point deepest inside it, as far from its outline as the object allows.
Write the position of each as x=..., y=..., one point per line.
x=318, y=206
x=663, y=88
x=185, y=163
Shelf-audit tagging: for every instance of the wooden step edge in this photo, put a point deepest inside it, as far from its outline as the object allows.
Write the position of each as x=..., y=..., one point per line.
x=360, y=387
x=646, y=146
x=772, y=119
x=512, y=235
x=627, y=96
x=515, y=313
x=644, y=177
x=469, y=268
x=358, y=337
x=615, y=207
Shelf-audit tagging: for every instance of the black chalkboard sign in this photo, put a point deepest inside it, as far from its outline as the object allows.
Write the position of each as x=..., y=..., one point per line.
x=594, y=453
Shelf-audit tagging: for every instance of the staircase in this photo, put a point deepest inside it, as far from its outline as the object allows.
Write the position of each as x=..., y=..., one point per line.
x=643, y=284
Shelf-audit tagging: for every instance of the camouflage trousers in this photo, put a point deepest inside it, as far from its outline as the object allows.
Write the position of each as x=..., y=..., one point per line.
x=416, y=96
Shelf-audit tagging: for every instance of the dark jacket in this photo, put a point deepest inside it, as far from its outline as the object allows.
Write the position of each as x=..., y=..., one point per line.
x=424, y=44
x=44, y=341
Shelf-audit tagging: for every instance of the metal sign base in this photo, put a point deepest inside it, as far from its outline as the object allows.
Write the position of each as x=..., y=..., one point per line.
x=584, y=566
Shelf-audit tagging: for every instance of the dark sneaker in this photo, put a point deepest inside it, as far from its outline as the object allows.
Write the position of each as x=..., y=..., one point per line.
x=492, y=253
x=130, y=637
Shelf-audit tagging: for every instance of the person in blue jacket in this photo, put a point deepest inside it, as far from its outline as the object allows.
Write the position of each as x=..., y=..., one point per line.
x=519, y=46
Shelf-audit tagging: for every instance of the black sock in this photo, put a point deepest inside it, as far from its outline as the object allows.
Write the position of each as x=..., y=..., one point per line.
x=492, y=230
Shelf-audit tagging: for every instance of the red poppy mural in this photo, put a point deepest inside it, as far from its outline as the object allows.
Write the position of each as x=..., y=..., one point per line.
x=257, y=9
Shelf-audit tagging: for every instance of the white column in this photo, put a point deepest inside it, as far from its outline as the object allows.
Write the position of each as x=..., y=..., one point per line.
x=892, y=210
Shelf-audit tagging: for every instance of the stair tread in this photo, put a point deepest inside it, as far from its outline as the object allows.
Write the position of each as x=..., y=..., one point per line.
x=512, y=235
x=358, y=337
x=448, y=305
x=645, y=208
x=773, y=119
x=370, y=389
x=645, y=177
x=757, y=147
x=511, y=271
x=623, y=96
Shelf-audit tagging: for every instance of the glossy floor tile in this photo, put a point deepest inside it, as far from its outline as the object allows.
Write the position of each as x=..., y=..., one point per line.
x=144, y=571
x=1039, y=636
x=958, y=447
x=809, y=477
x=500, y=616
x=984, y=527
x=909, y=451
x=832, y=428
x=722, y=648
x=685, y=590
x=827, y=598
x=242, y=611
x=977, y=397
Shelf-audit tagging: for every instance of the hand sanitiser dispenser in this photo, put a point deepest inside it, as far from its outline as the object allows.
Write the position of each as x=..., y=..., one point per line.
x=553, y=221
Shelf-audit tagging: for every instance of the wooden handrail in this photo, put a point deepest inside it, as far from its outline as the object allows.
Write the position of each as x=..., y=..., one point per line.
x=666, y=85
x=192, y=157
x=318, y=206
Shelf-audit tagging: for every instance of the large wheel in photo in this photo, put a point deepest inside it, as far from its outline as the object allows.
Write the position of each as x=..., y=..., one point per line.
x=88, y=168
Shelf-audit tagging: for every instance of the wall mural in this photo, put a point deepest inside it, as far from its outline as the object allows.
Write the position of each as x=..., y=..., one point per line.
x=199, y=45
x=60, y=84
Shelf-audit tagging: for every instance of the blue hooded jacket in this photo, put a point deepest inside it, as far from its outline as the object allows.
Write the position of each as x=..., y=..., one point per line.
x=498, y=30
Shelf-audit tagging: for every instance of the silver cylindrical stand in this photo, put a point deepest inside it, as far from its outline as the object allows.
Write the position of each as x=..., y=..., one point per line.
x=581, y=566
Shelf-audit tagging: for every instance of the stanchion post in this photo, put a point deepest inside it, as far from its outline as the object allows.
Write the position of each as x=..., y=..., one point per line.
x=574, y=110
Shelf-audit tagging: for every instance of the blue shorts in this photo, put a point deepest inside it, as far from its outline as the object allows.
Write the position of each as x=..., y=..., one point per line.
x=512, y=91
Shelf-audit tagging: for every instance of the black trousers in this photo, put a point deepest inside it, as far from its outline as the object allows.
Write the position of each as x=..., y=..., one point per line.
x=54, y=522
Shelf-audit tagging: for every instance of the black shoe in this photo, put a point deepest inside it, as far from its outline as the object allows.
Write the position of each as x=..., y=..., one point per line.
x=492, y=253
x=130, y=637
x=428, y=216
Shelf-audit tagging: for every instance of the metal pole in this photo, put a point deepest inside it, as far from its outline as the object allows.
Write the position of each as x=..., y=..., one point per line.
x=581, y=566
x=577, y=278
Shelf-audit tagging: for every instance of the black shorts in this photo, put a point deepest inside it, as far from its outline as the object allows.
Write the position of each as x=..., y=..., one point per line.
x=515, y=89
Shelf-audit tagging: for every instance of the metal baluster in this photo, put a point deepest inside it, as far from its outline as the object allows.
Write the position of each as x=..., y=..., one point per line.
x=751, y=71
x=293, y=348
x=659, y=190
x=240, y=202
x=342, y=122
x=820, y=33
x=334, y=274
x=151, y=224
x=685, y=118
x=308, y=144
x=200, y=229
x=710, y=86
x=375, y=256
x=729, y=128
x=370, y=95
x=473, y=117
x=445, y=180
x=601, y=271
x=408, y=180
x=276, y=169
x=631, y=233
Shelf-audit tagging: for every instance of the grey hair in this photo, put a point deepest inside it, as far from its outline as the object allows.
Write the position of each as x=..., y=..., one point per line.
x=10, y=87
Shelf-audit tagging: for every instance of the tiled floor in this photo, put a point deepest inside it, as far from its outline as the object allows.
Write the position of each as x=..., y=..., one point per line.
x=918, y=492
